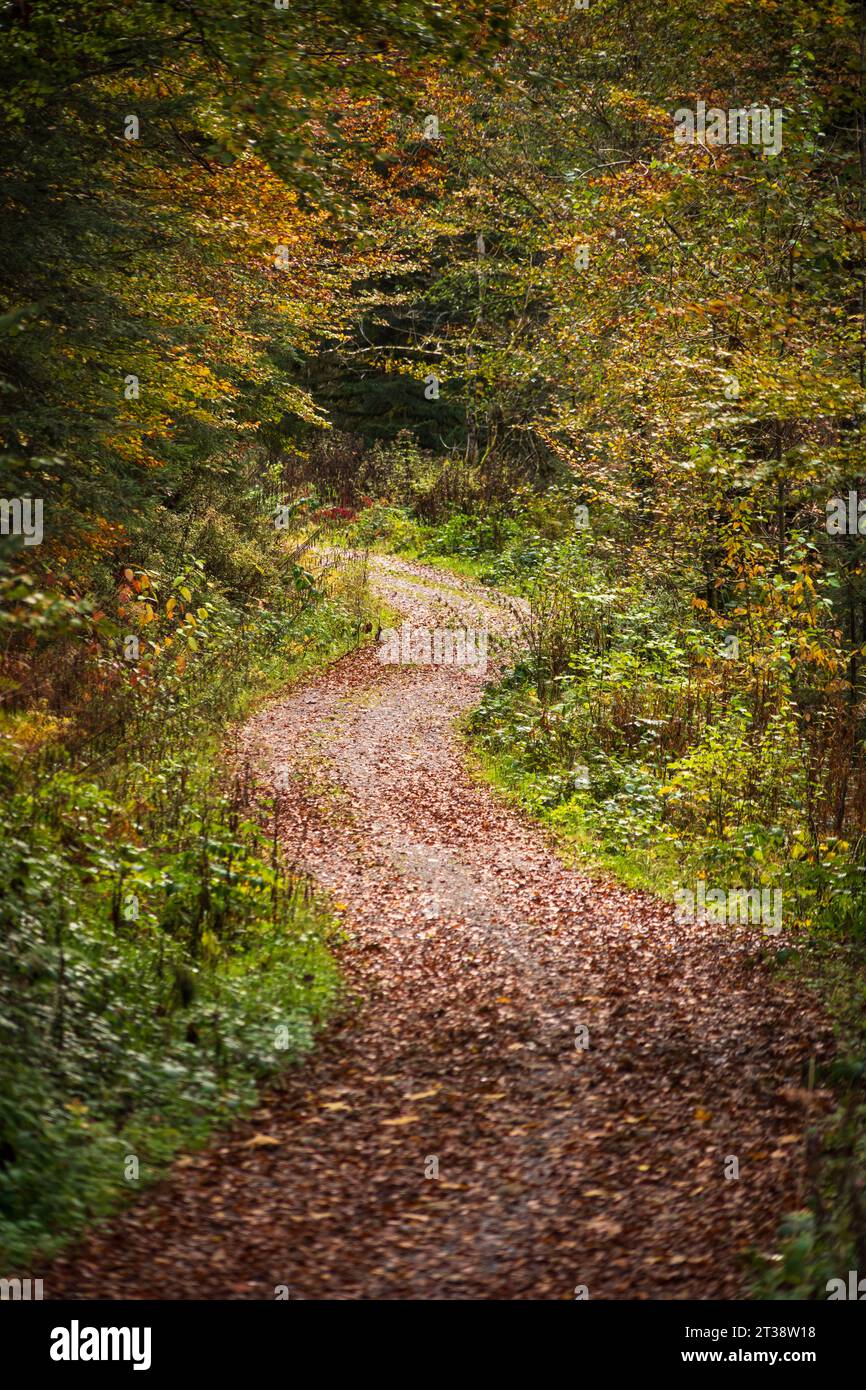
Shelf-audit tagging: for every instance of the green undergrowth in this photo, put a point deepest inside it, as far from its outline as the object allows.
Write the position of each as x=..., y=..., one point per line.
x=159, y=956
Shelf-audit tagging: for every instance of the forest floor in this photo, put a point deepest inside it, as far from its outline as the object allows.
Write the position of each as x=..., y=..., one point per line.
x=578, y=1068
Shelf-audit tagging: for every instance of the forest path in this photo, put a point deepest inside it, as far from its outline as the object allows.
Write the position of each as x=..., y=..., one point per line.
x=477, y=958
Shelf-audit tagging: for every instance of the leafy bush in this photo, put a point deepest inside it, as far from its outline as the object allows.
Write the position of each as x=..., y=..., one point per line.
x=156, y=959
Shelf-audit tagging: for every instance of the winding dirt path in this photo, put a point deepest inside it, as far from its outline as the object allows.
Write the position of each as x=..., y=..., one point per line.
x=478, y=960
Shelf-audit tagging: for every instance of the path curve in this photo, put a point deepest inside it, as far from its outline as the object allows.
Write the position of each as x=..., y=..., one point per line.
x=478, y=958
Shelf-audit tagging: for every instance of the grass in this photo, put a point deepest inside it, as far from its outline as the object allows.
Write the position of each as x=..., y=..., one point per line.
x=579, y=845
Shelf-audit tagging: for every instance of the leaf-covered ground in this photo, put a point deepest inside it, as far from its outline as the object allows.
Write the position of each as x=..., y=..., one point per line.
x=577, y=1067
